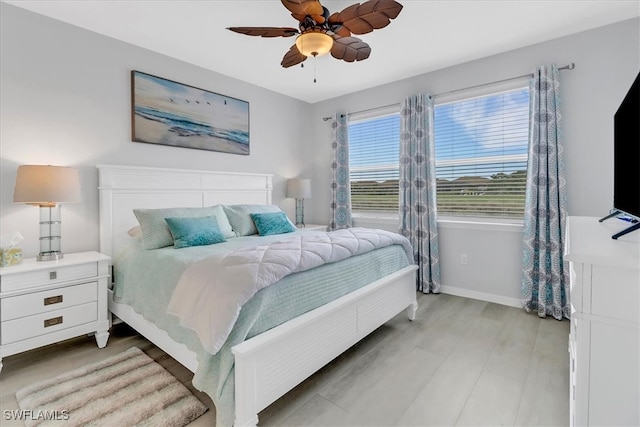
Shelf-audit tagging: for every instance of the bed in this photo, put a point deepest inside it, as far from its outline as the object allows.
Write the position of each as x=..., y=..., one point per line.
x=269, y=364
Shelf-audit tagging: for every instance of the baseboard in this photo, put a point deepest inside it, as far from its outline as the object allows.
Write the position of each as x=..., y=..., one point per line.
x=482, y=296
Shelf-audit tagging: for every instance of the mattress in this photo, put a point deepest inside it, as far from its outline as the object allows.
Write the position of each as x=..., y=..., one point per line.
x=145, y=280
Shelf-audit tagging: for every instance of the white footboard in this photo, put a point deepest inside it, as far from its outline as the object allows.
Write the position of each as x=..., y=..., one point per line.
x=272, y=363
x=269, y=365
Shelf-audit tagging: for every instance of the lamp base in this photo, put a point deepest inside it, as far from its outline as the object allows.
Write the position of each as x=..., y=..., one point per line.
x=299, y=212
x=49, y=256
x=50, y=225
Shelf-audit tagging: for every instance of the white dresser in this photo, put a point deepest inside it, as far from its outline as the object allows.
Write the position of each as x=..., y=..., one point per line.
x=43, y=302
x=604, y=343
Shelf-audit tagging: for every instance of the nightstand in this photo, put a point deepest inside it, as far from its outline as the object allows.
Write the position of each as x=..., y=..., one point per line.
x=43, y=302
x=319, y=227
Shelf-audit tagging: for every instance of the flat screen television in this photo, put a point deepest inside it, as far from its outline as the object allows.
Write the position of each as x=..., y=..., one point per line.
x=626, y=159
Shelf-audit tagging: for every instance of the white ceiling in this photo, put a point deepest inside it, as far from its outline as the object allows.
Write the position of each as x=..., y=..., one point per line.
x=427, y=35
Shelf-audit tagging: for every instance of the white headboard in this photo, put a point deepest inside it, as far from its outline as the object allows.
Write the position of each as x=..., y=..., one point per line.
x=124, y=188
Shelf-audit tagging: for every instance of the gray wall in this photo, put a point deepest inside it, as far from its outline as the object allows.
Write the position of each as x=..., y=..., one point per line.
x=607, y=60
x=65, y=100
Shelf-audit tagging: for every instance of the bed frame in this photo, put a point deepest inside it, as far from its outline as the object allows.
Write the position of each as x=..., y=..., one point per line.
x=268, y=365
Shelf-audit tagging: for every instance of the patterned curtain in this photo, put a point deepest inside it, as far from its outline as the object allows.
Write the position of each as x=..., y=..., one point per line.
x=418, y=213
x=340, y=185
x=545, y=281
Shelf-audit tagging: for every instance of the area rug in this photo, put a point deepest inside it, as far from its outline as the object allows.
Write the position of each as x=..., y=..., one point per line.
x=129, y=389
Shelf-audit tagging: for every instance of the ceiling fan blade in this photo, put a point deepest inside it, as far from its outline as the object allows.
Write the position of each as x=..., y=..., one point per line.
x=300, y=9
x=368, y=16
x=349, y=49
x=293, y=57
x=266, y=31
x=340, y=30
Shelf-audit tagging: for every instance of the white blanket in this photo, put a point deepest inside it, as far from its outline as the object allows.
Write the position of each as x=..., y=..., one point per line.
x=211, y=292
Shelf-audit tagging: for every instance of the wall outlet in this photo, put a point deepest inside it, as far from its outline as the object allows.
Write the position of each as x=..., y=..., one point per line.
x=463, y=259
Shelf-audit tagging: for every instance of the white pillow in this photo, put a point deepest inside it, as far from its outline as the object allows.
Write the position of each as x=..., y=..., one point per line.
x=135, y=232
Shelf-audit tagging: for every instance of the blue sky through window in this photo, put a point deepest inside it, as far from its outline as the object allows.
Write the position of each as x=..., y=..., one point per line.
x=494, y=125
x=375, y=140
x=486, y=127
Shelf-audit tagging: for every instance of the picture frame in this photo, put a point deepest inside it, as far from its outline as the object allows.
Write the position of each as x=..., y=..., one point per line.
x=166, y=112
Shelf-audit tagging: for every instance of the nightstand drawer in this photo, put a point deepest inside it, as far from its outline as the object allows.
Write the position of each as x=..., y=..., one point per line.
x=40, y=324
x=52, y=275
x=46, y=301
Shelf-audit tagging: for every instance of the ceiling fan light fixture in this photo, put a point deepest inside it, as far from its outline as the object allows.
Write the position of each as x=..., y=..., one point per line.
x=314, y=43
x=321, y=32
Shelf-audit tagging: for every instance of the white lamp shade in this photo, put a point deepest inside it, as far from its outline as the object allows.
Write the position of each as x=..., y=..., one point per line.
x=299, y=188
x=46, y=185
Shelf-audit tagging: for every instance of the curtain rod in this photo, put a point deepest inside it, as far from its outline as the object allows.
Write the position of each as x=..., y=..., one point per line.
x=570, y=66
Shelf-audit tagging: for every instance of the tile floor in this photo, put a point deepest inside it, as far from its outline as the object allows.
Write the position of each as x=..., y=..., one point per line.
x=461, y=362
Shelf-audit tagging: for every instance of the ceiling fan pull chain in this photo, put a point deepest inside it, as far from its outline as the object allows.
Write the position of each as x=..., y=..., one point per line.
x=314, y=68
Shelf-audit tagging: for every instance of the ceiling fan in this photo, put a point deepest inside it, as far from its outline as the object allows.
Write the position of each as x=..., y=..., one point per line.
x=320, y=33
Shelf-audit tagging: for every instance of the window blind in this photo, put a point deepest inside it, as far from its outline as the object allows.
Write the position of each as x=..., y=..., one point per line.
x=373, y=163
x=481, y=155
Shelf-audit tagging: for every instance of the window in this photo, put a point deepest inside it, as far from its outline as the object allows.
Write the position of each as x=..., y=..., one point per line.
x=481, y=155
x=374, y=147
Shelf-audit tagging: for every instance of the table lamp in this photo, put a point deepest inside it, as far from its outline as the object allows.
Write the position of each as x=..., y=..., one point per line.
x=299, y=189
x=48, y=187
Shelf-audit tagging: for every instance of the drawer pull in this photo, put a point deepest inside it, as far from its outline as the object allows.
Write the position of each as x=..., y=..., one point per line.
x=53, y=300
x=52, y=322
x=53, y=275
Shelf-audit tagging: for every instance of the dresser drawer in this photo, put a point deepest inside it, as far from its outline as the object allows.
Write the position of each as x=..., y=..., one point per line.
x=49, y=276
x=46, y=301
x=44, y=323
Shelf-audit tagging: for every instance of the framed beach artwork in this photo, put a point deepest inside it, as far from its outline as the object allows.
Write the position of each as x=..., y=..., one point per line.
x=170, y=113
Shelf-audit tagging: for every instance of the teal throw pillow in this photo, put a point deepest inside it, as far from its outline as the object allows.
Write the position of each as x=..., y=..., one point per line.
x=194, y=231
x=156, y=234
x=272, y=223
x=240, y=219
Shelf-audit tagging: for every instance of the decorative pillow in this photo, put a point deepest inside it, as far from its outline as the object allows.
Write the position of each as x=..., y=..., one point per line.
x=155, y=232
x=272, y=223
x=223, y=221
x=240, y=219
x=135, y=232
x=194, y=231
